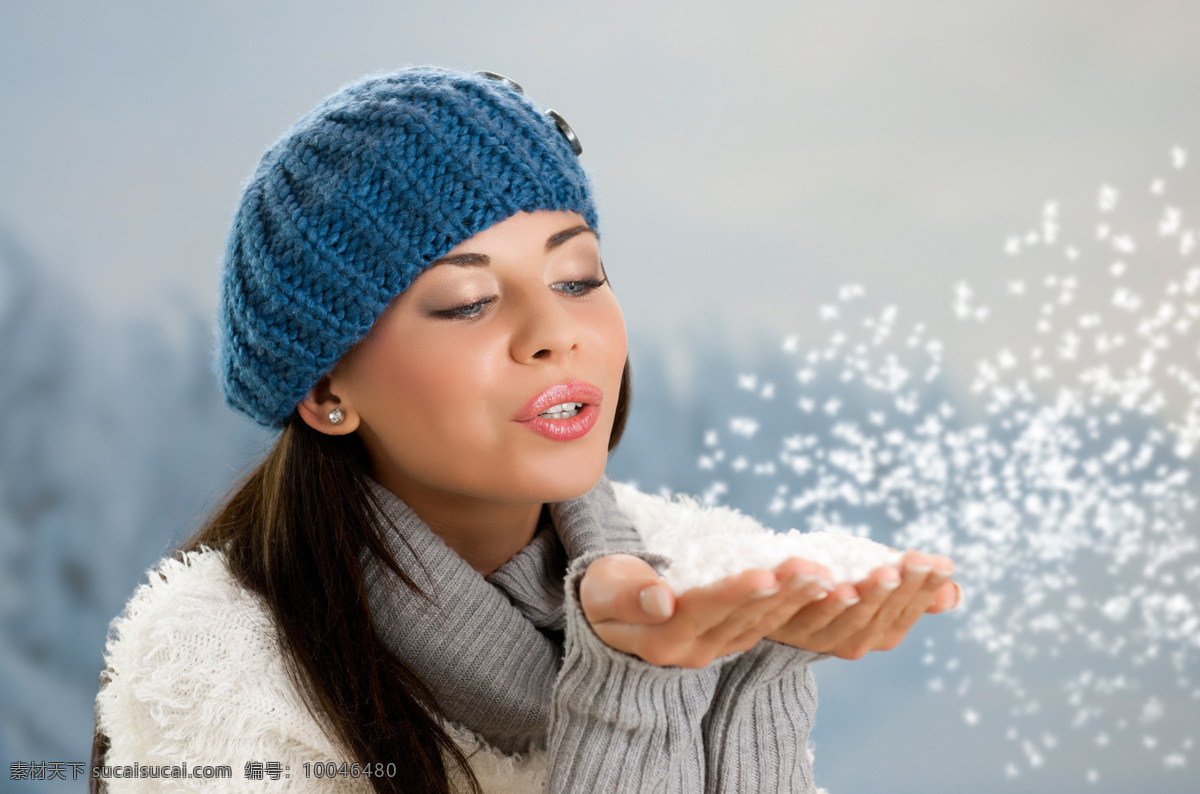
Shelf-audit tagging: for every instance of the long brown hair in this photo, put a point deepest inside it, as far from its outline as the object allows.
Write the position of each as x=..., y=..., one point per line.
x=293, y=532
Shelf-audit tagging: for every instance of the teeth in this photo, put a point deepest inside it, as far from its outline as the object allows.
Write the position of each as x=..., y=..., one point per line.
x=562, y=410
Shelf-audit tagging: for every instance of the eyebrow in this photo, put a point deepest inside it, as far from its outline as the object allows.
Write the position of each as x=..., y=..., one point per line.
x=567, y=234
x=482, y=260
x=467, y=260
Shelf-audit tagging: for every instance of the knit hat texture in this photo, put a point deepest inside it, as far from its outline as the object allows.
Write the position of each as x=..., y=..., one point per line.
x=355, y=201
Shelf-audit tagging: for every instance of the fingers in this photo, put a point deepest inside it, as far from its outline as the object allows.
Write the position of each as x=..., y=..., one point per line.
x=657, y=601
x=623, y=588
x=914, y=571
x=698, y=629
x=631, y=608
x=731, y=615
x=745, y=627
x=748, y=612
x=949, y=596
x=825, y=608
x=739, y=598
x=786, y=610
x=880, y=623
x=923, y=574
x=854, y=611
x=796, y=572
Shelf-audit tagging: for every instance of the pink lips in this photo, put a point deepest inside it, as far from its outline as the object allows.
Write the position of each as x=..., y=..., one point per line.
x=563, y=429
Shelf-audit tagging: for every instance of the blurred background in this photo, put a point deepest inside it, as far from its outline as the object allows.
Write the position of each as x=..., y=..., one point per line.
x=749, y=159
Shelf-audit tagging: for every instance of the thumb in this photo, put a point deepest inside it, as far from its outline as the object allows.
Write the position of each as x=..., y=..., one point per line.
x=657, y=602
x=625, y=589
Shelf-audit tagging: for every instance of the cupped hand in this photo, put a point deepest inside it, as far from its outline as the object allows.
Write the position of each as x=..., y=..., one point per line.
x=632, y=609
x=876, y=613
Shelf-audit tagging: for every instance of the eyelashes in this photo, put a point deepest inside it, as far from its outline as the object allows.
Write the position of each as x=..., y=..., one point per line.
x=582, y=287
x=577, y=288
x=466, y=310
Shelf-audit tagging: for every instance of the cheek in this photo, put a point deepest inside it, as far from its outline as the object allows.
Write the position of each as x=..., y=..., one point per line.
x=610, y=336
x=438, y=391
x=429, y=415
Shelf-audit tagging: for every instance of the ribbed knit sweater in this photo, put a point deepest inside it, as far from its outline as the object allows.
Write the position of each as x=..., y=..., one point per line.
x=526, y=685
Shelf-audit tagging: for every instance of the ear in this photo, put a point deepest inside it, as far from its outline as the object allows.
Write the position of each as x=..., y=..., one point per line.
x=317, y=405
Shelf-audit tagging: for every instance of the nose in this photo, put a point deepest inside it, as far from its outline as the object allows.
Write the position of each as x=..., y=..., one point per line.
x=546, y=330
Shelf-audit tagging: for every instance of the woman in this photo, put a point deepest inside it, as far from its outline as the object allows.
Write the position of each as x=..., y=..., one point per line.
x=428, y=582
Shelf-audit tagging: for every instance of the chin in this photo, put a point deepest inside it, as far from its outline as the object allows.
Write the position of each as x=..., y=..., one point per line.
x=565, y=493
x=561, y=480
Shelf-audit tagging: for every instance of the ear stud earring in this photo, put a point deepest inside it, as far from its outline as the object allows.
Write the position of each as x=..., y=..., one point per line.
x=336, y=416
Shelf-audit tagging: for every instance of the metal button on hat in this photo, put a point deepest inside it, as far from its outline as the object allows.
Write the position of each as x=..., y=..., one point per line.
x=508, y=81
x=559, y=121
x=566, y=130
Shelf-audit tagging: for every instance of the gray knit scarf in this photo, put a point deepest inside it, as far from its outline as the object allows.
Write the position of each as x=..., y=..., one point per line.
x=489, y=649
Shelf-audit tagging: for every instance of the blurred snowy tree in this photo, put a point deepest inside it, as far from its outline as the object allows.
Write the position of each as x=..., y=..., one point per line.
x=115, y=444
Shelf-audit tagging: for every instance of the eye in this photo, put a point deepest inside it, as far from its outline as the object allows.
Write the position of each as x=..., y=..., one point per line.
x=466, y=311
x=579, y=288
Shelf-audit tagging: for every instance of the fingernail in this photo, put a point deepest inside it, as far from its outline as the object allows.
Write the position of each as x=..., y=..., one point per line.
x=655, y=602
x=849, y=600
x=889, y=580
x=958, y=589
x=765, y=593
x=916, y=570
x=939, y=577
x=800, y=580
x=825, y=583
x=817, y=593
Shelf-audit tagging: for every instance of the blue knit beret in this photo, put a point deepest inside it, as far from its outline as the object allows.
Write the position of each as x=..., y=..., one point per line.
x=356, y=200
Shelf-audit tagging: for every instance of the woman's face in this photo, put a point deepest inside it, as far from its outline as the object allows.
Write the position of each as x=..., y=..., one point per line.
x=495, y=375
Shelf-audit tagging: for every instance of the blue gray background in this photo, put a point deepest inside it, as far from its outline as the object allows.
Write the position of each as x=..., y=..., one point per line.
x=749, y=158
